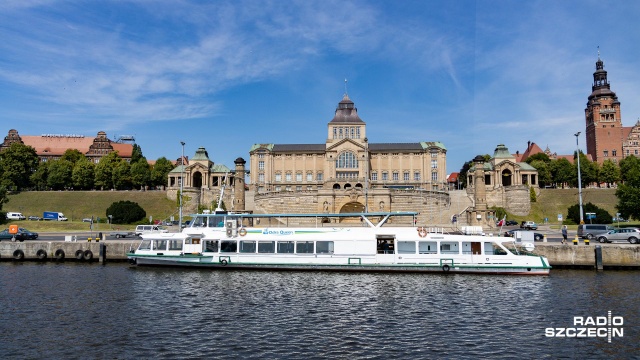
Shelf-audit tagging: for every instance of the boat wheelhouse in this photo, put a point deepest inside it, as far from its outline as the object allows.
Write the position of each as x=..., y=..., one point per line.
x=259, y=241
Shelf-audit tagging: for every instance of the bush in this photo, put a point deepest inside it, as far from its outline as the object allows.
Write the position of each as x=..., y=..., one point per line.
x=126, y=212
x=532, y=195
x=602, y=216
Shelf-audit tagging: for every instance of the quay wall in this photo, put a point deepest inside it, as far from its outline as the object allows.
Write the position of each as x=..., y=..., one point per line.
x=613, y=255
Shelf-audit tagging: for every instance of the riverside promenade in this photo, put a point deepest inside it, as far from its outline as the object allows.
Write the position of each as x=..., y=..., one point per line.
x=562, y=255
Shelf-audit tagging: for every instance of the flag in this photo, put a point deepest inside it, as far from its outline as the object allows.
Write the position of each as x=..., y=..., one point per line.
x=501, y=222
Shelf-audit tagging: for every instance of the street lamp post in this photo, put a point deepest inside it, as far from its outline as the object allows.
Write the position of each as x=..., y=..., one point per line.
x=181, y=183
x=579, y=178
x=366, y=176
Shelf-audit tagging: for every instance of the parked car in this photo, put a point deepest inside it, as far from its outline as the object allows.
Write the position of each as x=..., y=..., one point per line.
x=592, y=231
x=28, y=234
x=620, y=219
x=4, y=235
x=34, y=218
x=511, y=223
x=536, y=236
x=87, y=220
x=627, y=234
x=529, y=225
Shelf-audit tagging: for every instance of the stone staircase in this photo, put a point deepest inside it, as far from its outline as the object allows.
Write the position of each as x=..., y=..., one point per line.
x=460, y=201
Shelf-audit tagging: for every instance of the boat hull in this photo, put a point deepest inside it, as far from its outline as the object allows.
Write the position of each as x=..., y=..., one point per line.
x=208, y=262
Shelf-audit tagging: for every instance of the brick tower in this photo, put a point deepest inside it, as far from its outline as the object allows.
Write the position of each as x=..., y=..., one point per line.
x=603, y=121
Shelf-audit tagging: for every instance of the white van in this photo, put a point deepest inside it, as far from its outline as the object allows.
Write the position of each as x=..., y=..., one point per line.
x=15, y=216
x=148, y=229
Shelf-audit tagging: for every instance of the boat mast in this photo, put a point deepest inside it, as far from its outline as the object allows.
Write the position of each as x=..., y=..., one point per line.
x=224, y=183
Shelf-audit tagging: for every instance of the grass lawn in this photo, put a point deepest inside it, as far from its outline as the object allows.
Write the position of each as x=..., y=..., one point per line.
x=76, y=205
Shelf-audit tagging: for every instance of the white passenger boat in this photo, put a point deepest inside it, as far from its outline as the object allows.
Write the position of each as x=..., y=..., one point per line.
x=236, y=241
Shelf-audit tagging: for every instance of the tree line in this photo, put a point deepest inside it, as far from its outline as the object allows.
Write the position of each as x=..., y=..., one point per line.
x=561, y=173
x=21, y=169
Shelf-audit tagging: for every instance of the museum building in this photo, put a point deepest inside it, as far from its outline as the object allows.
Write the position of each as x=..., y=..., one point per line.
x=348, y=173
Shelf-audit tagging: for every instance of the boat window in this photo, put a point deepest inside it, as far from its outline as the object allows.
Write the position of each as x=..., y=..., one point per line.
x=324, y=247
x=266, y=247
x=427, y=247
x=145, y=245
x=449, y=247
x=198, y=221
x=247, y=246
x=471, y=248
x=228, y=246
x=285, y=247
x=211, y=245
x=495, y=249
x=216, y=221
x=159, y=244
x=175, y=244
x=304, y=247
x=406, y=247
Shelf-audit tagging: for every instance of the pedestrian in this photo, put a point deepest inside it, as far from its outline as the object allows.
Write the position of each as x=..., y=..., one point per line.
x=564, y=234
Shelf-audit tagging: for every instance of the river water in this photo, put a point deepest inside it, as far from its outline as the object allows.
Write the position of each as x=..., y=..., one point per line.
x=70, y=310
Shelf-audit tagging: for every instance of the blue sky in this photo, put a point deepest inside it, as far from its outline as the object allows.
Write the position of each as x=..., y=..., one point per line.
x=228, y=74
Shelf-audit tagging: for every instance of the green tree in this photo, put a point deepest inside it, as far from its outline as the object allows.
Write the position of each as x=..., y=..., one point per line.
x=17, y=163
x=628, y=193
x=39, y=177
x=602, y=216
x=630, y=171
x=544, y=173
x=59, y=175
x=136, y=154
x=609, y=173
x=73, y=156
x=83, y=175
x=140, y=173
x=126, y=212
x=4, y=198
x=532, y=194
x=104, y=170
x=588, y=171
x=122, y=175
x=561, y=171
x=538, y=157
x=160, y=172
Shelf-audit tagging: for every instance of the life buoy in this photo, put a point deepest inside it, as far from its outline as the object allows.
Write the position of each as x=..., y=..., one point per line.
x=223, y=262
x=445, y=268
x=242, y=231
x=59, y=254
x=422, y=232
x=18, y=254
x=88, y=255
x=79, y=254
x=41, y=254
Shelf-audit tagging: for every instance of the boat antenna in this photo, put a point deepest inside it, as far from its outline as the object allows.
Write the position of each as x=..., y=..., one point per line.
x=224, y=183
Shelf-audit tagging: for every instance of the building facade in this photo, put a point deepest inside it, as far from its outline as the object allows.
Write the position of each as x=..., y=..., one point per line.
x=347, y=173
x=52, y=146
x=505, y=182
x=204, y=181
x=605, y=136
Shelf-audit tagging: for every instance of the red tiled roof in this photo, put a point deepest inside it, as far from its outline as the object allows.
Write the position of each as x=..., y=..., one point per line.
x=51, y=145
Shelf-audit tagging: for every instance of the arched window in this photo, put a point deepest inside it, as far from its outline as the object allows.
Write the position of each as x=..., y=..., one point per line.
x=347, y=160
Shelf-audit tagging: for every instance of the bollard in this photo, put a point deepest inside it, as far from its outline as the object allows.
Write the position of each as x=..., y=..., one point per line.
x=586, y=241
x=544, y=238
x=599, y=258
x=89, y=239
x=575, y=240
x=103, y=253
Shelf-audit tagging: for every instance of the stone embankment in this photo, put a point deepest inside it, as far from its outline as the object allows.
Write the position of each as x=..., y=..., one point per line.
x=572, y=256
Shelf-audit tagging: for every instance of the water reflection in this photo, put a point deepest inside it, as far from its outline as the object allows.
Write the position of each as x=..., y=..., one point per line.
x=119, y=312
